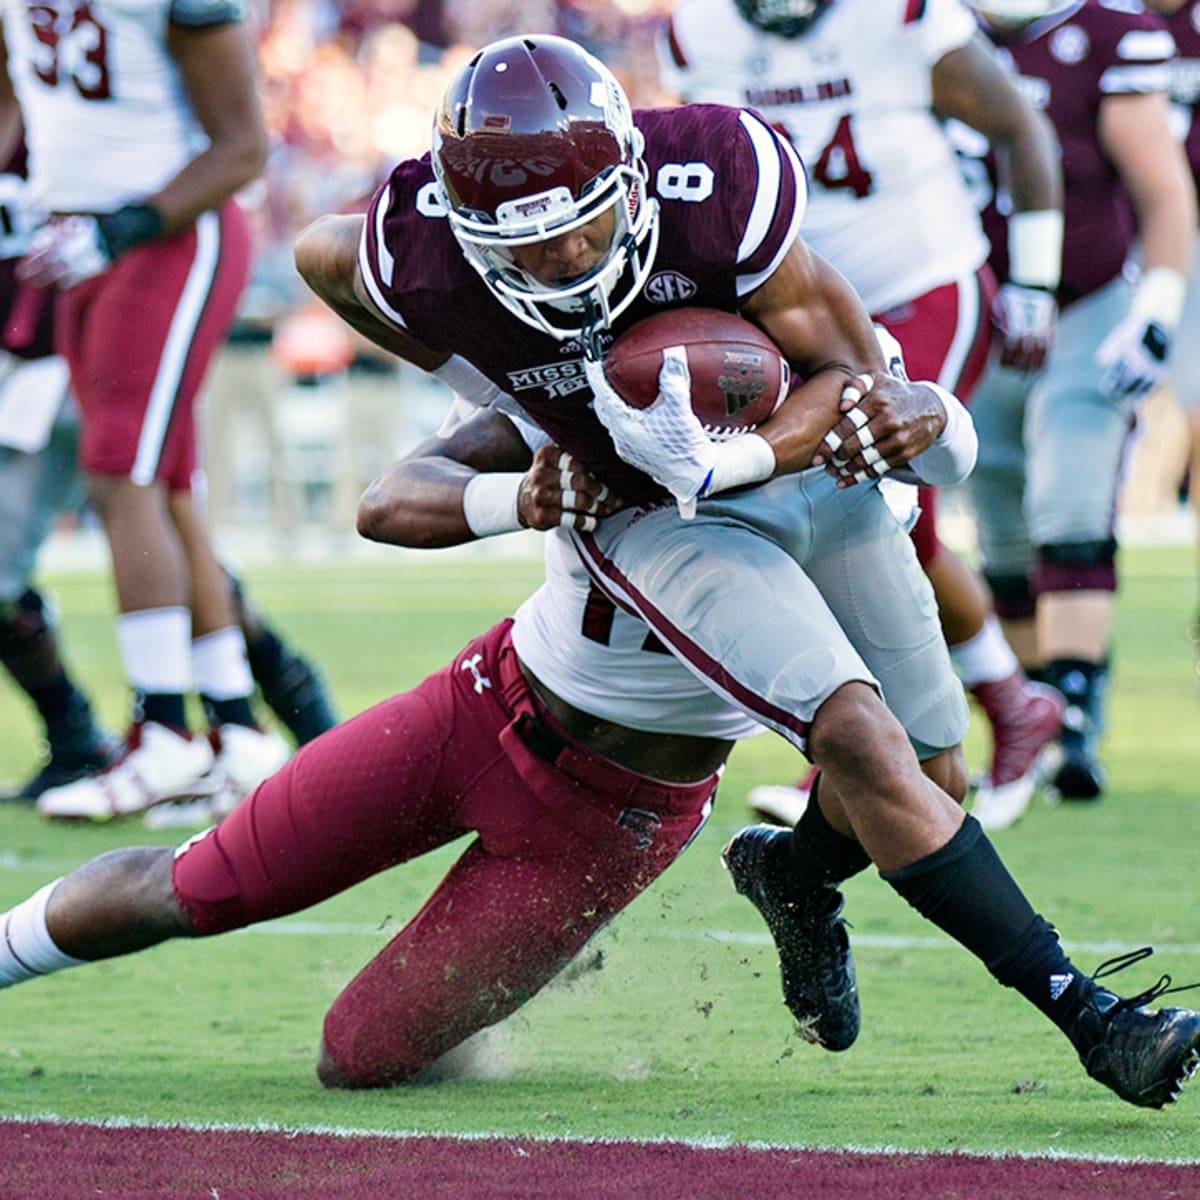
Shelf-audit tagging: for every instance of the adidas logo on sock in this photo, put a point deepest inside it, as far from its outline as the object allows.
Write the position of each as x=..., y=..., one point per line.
x=1059, y=984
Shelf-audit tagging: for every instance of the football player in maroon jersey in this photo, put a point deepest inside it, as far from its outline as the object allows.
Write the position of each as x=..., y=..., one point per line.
x=1183, y=20
x=1052, y=447
x=549, y=219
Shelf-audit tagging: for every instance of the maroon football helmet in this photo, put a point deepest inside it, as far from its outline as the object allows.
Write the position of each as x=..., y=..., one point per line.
x=533, y=139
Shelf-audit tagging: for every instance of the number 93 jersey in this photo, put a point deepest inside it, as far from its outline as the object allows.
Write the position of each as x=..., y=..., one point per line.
x=887, y=205
x=106, y=117
x=731, y=196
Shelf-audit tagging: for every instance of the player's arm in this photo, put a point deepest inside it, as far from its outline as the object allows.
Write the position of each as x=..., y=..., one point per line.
x=482, y=479
x=969, y=85
x=326, y=256
x=852, y=414
x=218, y=67
x=10, y=110
x=1135, y=134
x=856, y=412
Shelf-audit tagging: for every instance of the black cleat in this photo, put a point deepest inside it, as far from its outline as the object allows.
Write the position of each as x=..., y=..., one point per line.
x=1076, y=773
x=296, y=694
x=1144, y=1055
x=815, y=963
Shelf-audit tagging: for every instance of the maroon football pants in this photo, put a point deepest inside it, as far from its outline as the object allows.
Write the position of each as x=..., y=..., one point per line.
x=564, y=841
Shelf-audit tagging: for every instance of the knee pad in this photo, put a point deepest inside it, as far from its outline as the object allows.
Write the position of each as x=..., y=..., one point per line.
x=24, y=622
x=1076, y=566
x=1012, y=596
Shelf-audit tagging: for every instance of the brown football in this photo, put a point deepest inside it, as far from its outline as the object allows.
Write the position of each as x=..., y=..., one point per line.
x=739, y=377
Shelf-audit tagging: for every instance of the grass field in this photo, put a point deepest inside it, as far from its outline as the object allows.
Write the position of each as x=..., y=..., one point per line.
x=672, y=1026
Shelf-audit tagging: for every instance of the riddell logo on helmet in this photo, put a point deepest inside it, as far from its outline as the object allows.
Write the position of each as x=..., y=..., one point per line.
x=668, y=287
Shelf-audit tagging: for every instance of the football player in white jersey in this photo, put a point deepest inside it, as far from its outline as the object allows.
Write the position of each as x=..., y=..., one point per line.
x=142, y=122
x=861, y=88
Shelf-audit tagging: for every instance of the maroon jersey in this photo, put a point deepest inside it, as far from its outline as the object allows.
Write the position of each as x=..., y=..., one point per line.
x=1184, y=79
x=731, y=193
x=1066, y=64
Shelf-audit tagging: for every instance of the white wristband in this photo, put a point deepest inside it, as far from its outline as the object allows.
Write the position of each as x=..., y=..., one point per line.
x=1159, y=297
x=747, y=458
x=467, y=380
x=490, y=503
x=951, y=458
x=1035, y=242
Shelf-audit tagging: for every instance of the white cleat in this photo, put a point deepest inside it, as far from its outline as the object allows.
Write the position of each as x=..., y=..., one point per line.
x=245, y=757
x=778, y=803
x=158, y=764
x=1003, y=806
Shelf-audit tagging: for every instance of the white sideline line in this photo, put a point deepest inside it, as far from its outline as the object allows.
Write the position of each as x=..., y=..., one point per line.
x=708, y=1142
x=299, y=927
x=289, y=927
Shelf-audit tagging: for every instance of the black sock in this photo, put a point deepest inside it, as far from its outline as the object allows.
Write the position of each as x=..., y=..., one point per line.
x=266, y=655
x=55, y=702
x=967, y=892
x=229, y=712
x=163, y=708
x=819, y=855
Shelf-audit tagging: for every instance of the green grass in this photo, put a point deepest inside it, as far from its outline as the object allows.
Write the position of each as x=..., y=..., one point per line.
x=679, y=1032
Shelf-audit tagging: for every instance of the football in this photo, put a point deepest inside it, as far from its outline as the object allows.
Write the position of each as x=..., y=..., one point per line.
x=739, y=377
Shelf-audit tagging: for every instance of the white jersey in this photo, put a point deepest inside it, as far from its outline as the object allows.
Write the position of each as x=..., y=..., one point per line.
x=107, y=120
x=608, y=663
x=887, y=205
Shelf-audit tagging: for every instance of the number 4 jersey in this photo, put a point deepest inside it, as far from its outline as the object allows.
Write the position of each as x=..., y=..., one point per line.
x=887, y=204
x=106, y=116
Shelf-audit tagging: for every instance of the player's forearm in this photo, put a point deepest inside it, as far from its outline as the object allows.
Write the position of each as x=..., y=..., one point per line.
x=1035, y=169
x=208, y=181
x=796, y=430
x=417, y=503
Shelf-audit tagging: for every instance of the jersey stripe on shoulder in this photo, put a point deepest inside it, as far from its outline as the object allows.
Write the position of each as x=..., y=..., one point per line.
x=375, y=261
x=780, y=196
x=676, y=50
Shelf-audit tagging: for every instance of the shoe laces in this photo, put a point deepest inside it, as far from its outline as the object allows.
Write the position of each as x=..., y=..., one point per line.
x=1154, y=992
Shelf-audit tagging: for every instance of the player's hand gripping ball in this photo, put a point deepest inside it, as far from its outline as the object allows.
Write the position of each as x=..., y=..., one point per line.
x=738, y=376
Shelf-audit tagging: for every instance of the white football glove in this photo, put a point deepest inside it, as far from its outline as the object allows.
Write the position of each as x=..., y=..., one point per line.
x=1025, y=318
x=20, y=216
x=1134, y=358
x=64, y=252
x=665, y=440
